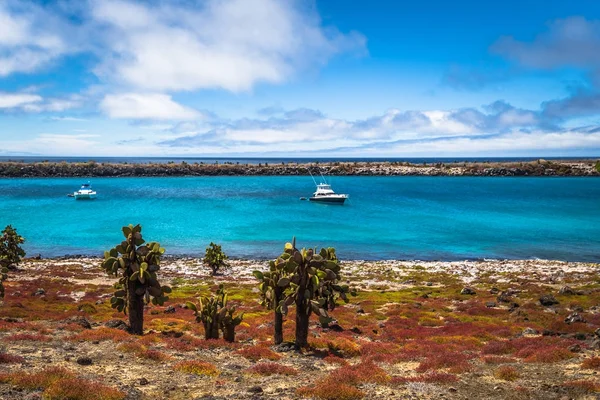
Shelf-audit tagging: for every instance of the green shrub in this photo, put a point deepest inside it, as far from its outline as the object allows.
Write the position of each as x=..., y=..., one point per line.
x=215, y=258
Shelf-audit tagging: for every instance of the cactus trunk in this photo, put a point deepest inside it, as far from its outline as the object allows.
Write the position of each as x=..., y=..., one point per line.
x=302, y=319
x=229, y=332
x=211, y=330
x=135, y=310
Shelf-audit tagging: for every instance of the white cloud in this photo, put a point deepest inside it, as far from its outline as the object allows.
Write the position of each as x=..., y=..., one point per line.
x=14, y=100
x=230, y=45
x=146, y=106
x=29, y=38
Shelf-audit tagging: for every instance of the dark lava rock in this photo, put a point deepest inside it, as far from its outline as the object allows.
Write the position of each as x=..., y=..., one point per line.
x=597, y=332
x=170, y=310
x=494, y=290
x=468, y=291
x=336, y=328
x=575, y=348
x=84, y=361
x=575, y=317
x=116, y=324
x=358, y=331
x=547, y=332
x=548, y=300
x=490, y=304
x=255, y=389
x=39, y=292
x=144, y=381
x=504, y=297
x=595, y=345
x=81, y=321
x=360, y=311
x=170, y=333
x=566, y=290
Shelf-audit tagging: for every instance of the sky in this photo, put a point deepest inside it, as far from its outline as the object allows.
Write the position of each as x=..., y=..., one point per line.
x=300, y=78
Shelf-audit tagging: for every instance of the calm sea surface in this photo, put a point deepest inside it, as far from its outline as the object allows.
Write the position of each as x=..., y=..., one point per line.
x=446, y=218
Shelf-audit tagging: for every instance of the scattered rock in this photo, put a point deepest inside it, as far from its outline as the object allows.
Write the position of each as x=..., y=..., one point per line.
x=468, y=291
x=597, y=332
x=284, y=347
x=84, y=361
x=336, y=328
x=494, y=290
x=490, y=304
x=170, y=333
x=575, y=348
x=428, y=283
x=548, y=300
x=595, y=345
x=530, y=331
x=504, y=297
x=452, y=389
x=116, y=324
x=358, y=331
x=575, y=317
x=144, y=381
x=255, y=389
x=547, y=332
x=566, y=290
x=170, y=310
x=81, y=321
x=39, y=292
x=360, y=311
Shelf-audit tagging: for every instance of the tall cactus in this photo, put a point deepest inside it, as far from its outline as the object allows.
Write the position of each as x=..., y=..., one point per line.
x=138, y=264
x=272, y=286
x=309, y=280
x=215, y=314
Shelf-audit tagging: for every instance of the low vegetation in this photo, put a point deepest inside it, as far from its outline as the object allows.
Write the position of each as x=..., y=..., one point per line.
x=411, y=331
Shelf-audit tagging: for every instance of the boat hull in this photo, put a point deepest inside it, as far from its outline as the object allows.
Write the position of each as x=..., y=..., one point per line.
x=328, y=200
x=84, y=196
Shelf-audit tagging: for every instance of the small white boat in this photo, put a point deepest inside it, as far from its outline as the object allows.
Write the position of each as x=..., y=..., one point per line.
x=325, y=193
x=85, y=192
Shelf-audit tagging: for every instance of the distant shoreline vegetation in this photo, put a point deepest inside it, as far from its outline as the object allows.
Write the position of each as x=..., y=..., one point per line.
x=540, y=167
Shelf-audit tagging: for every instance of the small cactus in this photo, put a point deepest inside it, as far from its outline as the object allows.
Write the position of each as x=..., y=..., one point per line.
x=10, y=252
x=215, y=314
x=137, y=263
x=215, y=258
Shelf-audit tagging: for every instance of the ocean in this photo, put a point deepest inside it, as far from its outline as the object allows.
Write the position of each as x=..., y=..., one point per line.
x=416, y=217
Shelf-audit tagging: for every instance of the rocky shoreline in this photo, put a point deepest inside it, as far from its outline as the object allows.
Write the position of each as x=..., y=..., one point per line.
x=540, y=167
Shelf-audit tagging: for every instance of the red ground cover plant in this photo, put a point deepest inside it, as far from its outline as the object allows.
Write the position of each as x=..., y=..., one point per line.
x=255, y=353
x=591, y=363
x=333, y=359
x=507, y=373
x=380, y=352
x=583, y=385
x=100, y=334
x=184, y=343
x=60, y=383
x=456, y=362
x=267, y=369
x=327, y=390
x=197, y=368
x=30, y=337
x=6, y=358
x=430, y=377
x=498, y=347
x=498, y=360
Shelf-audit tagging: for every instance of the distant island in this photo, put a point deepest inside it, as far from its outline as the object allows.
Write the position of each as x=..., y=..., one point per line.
x=541, y=167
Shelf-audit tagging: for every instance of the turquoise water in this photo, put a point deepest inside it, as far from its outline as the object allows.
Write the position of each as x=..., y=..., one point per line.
x=445, y=218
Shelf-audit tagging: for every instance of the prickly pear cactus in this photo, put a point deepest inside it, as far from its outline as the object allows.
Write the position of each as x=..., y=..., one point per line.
x=215, y=314
x=312, y=283
x=215, y=258
x=137, y=263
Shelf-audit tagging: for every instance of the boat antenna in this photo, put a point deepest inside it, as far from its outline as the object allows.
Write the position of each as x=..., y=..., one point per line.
x=324, y=180
x=313, y=178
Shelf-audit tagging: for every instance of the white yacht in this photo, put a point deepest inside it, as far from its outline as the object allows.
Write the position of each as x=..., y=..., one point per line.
x=85, y=192
x=325, y=193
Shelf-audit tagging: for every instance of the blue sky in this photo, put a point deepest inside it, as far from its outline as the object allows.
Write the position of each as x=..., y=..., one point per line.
x=294, y=78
